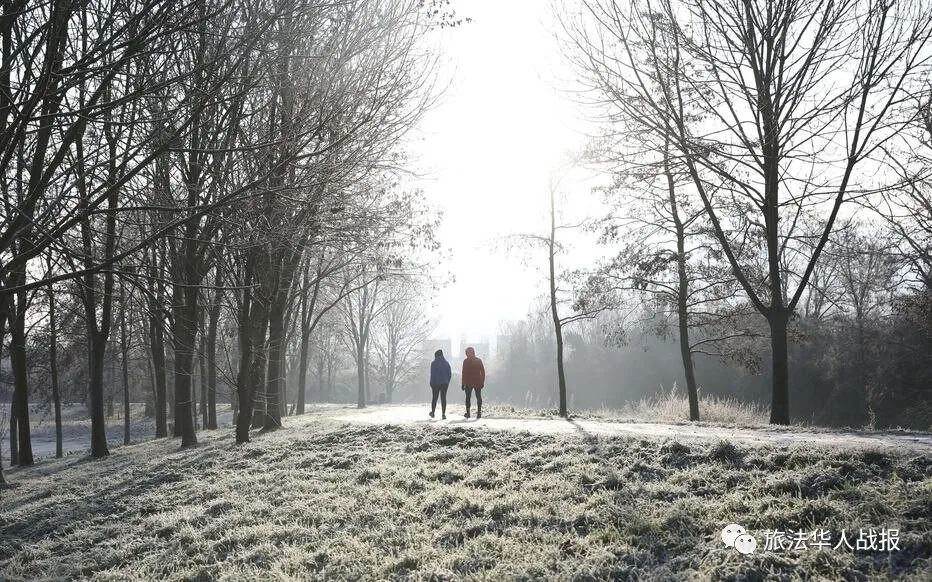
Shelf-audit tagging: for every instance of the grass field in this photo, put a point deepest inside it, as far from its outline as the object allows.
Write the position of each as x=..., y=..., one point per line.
x=322, y=499
x=665, y=407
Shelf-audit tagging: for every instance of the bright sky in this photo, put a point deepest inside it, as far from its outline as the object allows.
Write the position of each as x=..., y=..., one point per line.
x=488, y=151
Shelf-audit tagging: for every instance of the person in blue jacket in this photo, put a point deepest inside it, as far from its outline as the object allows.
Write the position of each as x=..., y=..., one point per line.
x=440, y=375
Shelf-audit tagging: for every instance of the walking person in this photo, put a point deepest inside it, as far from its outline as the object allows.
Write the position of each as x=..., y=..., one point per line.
x=440, y=375
x=473, y=380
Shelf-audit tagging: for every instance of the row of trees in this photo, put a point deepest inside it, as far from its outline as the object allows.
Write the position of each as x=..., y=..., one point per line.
x=319, y=351
x=858, y=347
x=211, y=177
x=743, y=137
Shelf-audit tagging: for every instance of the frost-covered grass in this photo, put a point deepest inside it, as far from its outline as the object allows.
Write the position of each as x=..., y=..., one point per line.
x=321, y=499
x=665, y=407
x=673, y=406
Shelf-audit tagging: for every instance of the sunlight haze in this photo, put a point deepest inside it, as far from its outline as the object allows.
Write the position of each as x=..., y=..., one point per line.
x=487, y=151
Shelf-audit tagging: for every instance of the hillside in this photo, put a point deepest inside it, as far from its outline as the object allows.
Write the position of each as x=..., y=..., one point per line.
x=327, y=499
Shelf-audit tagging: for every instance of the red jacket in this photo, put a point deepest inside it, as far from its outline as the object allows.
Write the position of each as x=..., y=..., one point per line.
x=473, y=370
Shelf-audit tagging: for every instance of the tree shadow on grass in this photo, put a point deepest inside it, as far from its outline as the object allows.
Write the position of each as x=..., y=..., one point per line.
x=589, y=438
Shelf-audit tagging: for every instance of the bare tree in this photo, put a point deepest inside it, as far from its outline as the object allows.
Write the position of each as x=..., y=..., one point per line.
x=2, y=425
x=124, y=361
x=53, y=369
x=359, y=310
x=328, y=356
x=400, y=334
x=557, y=297
x=322, y=289
x=780, y=135
x=151, y=143
x=867, y=275
x=907, y=208
x=666, y=253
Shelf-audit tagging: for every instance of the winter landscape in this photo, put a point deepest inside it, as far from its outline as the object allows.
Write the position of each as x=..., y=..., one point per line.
x=479, y=290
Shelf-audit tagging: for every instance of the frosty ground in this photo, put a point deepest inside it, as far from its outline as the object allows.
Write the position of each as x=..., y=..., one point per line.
x=76, y=428
x=608, y=423
x=331, y=498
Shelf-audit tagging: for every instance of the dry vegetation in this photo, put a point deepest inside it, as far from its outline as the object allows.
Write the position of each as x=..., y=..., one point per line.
x=674, y=407
x=667, y=406
x=321, y=499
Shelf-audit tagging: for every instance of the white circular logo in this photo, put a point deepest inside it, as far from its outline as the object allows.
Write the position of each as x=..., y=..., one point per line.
x=745, y=544
x=731, y=533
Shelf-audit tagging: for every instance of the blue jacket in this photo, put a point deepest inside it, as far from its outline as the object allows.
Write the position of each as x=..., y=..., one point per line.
x=440, y=372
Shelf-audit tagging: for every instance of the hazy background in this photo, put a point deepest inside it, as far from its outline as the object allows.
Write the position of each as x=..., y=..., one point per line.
x=488, y=151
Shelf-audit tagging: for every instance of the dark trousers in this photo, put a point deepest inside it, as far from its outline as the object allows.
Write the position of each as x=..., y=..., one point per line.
x=469, y=390
x=441, y=391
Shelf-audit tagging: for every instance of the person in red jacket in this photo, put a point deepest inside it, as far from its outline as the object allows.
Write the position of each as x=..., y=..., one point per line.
x=473, y=379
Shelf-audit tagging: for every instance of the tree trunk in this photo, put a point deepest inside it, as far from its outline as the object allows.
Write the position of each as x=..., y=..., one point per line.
x=780, y=405
x=124, y=348
x=111, y=381
x=213, y=318
x=194, y=390
x=2, y=480
x=20, y=382
x=307, y=326
x=257, y=379
x=53, y=372
x=777, y=316
x=156, y=319
x=185, y=335
x=274, y=384
x=302, y=372
x=14, y=449
x=157, y=347
x=366, y=369
x=361, y=375
x=244, y=395
x=170, y=393
x=692, y=391
x=202, y=368
x=14, y=430
x=561, y=374
x=258, y=366
x=554, y=312
x=278, y=339
x=682, y=294
x=97, y=349
x=3, y=308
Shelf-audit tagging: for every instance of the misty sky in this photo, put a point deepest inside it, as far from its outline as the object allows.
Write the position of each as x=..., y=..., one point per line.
x=488, y=150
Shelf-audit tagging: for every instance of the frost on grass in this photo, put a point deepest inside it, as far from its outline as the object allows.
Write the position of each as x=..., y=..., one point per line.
x=669, y=406
x=325, y=500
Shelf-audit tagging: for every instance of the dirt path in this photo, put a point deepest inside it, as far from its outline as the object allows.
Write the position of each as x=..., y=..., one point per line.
x=417, y=414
